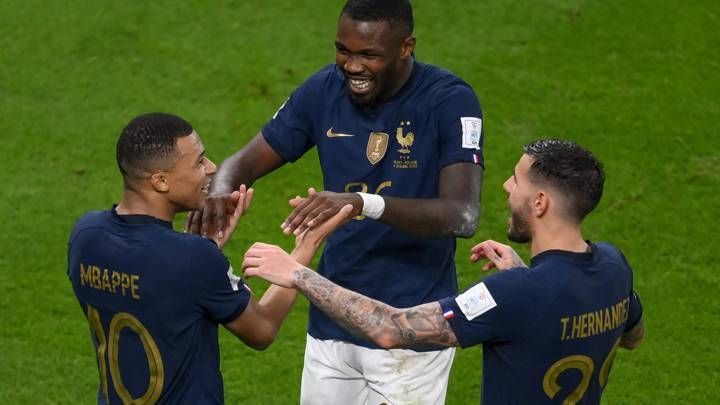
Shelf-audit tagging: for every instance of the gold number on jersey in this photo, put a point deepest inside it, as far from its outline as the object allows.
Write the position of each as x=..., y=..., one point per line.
x=96, y=328
x=120, y=321
x=360, y=187
x=605, y=369
x=586, y=366
x=579, y=362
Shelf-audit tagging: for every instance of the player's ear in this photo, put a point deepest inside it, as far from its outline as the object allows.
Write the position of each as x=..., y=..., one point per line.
x=160, y=182
x=540, y=203
x=408, y=47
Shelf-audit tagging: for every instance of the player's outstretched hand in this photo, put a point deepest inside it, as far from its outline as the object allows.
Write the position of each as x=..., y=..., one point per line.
x=500, y=256
x=314, y=237
x=270, y=263
x=313, y=210
x=220, y=215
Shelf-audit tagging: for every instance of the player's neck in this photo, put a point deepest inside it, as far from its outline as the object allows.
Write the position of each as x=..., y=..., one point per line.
x=135, y=203
x=403, y=77
x=558, y=236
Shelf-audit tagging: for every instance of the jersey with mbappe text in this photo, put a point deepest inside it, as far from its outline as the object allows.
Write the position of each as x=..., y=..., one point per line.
x=394, y=148
x=153, y=298
x=549, y=333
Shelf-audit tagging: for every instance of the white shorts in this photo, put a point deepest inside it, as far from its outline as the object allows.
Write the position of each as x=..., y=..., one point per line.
x=342, y=373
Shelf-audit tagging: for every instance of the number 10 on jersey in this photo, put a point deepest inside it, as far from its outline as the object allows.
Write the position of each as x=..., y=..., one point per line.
x=107, y=352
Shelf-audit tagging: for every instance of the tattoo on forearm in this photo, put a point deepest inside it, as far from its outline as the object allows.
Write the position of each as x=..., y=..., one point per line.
x=634, y=336
x=370, y=319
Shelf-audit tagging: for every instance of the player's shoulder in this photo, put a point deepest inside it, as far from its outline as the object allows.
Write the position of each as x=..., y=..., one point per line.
x=609, y=254
x=442, y=85
x=202, y=253
x=606, y=251
x=440, y=78
x=93, y=218
x=90, y=220
x=529, y=284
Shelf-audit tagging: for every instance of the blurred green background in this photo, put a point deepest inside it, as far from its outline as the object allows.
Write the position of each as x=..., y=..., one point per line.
x=635, y=81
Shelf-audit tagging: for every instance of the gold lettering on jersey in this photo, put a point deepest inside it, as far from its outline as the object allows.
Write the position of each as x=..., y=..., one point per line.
x=377, y=146
x=404, y=161
x=111, y=281
x=596, y=322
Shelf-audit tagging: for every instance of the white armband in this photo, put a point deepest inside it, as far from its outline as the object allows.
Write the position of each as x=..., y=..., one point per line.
x=373, y=205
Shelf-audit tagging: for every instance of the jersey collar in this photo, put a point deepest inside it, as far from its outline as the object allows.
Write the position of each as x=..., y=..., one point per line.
x=573, y=256
x=139, y=219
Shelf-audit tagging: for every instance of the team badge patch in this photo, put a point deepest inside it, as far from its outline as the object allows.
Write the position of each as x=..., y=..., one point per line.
x=377, y=146
x=472, y=132
x=475, y=301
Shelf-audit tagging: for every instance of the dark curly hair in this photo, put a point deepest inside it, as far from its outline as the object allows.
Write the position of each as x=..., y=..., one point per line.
x=570, y=169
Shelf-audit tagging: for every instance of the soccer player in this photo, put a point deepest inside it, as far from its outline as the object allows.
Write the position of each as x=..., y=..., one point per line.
x=550, y=331
x=154, y=297
x=401, y=141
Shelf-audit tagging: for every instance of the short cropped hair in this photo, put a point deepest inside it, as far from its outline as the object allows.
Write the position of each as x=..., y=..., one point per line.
x=569, y=168
x=147, y=142
x=395, y=12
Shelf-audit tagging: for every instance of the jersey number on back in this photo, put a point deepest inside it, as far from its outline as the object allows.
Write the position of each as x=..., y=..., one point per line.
x=578, y=362
x=120, y=321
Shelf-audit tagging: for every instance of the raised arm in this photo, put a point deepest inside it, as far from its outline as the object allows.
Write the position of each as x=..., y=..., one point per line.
x=367, y=318
x=259, y=324
x=386, y=326
x=455, y=211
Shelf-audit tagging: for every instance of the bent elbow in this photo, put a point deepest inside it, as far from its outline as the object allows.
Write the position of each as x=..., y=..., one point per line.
x=630, y=344
x=260, y=346
x=467, y=225
x=263, y=340
x=466, y=230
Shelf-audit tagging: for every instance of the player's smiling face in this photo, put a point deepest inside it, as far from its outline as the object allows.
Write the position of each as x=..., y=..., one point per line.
x=374, y=57
x=190, y=176
x=520, y=189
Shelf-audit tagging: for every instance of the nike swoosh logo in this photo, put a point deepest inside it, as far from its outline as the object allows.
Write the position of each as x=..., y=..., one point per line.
x=331, y=134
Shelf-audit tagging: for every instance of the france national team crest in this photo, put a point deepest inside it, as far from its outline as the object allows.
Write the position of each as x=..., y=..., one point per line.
x=377, y=146
x=405, y=138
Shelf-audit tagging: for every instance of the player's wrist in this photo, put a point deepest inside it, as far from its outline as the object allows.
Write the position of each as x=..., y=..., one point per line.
x=299, y=274
x=373, y=205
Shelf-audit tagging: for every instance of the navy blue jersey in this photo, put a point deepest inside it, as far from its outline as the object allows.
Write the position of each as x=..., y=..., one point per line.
x=394, y=148
x=154, y=298
x=550, y=332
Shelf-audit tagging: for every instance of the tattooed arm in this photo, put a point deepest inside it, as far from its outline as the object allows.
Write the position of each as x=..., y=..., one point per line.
x=373, y=320
x=370, y=319
x=632, y=338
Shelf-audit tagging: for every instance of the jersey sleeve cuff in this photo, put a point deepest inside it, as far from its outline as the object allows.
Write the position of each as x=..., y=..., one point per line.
x=467, y=155
x=454, y=316
x=239, y=309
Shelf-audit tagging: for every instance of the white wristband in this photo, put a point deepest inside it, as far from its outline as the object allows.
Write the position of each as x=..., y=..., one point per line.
x=373, y=205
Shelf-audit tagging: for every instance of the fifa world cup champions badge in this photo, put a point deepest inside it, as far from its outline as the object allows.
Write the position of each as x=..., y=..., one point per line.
x=377, y=146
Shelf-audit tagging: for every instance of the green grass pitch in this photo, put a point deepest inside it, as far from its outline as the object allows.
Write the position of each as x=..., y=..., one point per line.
x=636, y=81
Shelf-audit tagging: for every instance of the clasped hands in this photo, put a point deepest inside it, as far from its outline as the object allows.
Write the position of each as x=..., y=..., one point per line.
x=312, y=219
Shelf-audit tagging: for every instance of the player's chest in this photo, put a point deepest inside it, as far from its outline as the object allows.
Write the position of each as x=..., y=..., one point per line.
x=401, y=140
